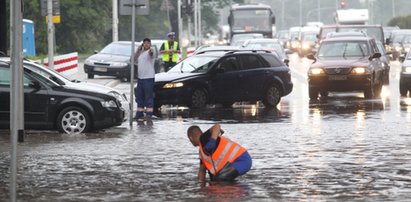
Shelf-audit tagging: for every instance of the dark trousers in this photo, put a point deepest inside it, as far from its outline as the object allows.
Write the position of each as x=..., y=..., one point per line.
x=144, y=97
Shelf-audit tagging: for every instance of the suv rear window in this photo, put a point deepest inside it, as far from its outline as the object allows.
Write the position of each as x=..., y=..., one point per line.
x=272, y=60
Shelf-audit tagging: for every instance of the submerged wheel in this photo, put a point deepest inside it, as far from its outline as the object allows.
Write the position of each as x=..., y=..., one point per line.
x=198, y=98
x=272, y=96
x=313, y=93
x=73, y=120
x=90, y=76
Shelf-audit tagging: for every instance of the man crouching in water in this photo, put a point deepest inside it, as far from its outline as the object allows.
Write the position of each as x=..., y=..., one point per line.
x=222, y=158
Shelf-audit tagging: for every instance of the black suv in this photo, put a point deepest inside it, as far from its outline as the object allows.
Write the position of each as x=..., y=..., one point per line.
x=346, y=64
x=224, y=77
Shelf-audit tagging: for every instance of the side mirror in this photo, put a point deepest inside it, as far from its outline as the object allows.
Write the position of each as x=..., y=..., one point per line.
x=376, y=55
x=35, y=84
x=311, y=57
x=401, y=59
x=286, y=61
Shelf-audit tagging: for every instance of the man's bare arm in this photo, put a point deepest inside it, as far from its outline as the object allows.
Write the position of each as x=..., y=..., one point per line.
x=201, y=173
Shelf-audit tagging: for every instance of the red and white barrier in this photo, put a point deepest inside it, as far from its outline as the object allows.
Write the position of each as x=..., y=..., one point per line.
x=190, y=51
x=66, y=64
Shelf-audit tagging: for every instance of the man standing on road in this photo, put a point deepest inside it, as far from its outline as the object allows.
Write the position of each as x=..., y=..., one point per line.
x=222, y=158
x=170, y=50
x=145, y=82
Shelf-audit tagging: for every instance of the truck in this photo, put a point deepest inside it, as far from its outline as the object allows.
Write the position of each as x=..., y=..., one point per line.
x=351, y=17
x=251, y=18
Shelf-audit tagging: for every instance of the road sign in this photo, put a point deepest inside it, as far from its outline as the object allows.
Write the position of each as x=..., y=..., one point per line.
x=56, y=7
x=142, y=7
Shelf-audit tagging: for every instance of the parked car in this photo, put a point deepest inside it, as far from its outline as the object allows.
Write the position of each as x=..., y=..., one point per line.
x=272, y=45
x=114, y=60
x=405, y=75
x=224, y=77
x=283, y=37
x=346, y=64
x=53, y=106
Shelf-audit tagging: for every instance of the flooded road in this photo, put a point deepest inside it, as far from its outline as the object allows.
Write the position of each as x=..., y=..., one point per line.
x=340, y=148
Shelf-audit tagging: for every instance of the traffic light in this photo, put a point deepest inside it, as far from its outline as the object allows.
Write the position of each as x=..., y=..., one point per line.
x=343, y=4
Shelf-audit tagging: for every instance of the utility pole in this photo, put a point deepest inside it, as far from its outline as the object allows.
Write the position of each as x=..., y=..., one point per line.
x=3, y=27
x=50, y=34
x=195, y=24
x=393, y=8
x=133, y=51
x=180, y=23
x=301, y=12
x=200, y=35
x=17, y=90
x=115, y=20
x=319, y=10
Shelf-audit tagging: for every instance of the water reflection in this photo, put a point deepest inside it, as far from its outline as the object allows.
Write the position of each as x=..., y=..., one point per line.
x=253, y=113
x=346, y=105
x=225, y=191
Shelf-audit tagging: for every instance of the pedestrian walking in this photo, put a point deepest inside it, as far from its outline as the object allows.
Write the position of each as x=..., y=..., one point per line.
x=145, y=82
x=222, y=158
x=170, y=50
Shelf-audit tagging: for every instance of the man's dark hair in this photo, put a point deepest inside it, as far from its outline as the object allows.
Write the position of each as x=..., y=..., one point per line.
x=192, y=129
x=146, y=39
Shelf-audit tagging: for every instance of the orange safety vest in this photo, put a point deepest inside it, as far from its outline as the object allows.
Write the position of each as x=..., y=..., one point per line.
x=227, y=151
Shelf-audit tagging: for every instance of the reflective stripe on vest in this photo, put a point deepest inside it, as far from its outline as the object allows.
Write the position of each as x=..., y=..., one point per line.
x=227, y=151
x=174, y=56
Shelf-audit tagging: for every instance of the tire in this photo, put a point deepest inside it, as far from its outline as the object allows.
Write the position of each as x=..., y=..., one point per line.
x=272, y=96
x=403, y=90
x=90, y=76
x=324, y=94
x=198, y=99
x=313, y=93
x=73, y=120
x=227, y=104
x=377, y=90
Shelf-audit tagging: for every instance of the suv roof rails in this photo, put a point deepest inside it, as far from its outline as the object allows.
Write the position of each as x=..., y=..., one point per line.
x=249, y=50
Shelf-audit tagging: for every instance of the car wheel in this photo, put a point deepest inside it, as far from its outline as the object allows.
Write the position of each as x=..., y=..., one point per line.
x=313, y=93
x=73, y=120
x=198, y=98
x=324, y=93
x=403, y=90
x=90, y=76
x=227, y=104
x=272, y=96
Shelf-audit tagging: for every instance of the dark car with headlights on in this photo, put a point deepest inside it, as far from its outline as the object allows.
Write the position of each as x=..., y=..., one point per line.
x=52, y=106
x=405, y=75
x=346, y=64
x=221, y=77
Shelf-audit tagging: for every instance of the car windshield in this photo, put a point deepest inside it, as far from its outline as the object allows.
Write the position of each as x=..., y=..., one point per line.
x=47, y=72
x=117, y=49
x=264, y=46
x=343, y=49
x=310, y=37
x=196, y=63
x=374, y=32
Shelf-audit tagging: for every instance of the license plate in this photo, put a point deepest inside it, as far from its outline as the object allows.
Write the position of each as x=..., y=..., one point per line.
x=337, y=77
x=100, y=69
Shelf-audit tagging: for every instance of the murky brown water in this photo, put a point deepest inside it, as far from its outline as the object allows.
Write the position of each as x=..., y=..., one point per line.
x=342, y=148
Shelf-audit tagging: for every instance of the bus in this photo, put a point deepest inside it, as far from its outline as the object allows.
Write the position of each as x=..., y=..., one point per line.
x=251, y=18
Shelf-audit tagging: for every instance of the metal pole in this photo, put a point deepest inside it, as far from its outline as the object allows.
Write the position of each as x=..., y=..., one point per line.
x=50, y=34
x=180, y=23
x=115, y=20
x=133, y=42
x=393, y=8
x=301, y=13
x=200, y=35
x=16, y=95
x=319, y=10
x=282, y=14
x=195, y=24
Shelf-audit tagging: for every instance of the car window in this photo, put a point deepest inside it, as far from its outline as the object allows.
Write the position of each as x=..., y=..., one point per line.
x=196, y=63
x=250, y=62
x=343, y=49
x=5, y=77
x=272, y=60
x=229, y=64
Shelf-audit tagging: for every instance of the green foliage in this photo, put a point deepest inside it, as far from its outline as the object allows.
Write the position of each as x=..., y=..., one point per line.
x=404, y=22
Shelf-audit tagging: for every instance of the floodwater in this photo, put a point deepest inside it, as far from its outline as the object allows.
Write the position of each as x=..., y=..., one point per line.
x=340, y=148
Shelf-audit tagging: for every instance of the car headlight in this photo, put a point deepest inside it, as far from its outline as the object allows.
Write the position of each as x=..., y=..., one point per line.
x=173, y=85
x=118, y=64
x=359, y=70
x=90, y=62
x=109, y=104
x=316, y=71
x=305, y=46
x=117, y=95
x=406, y=70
